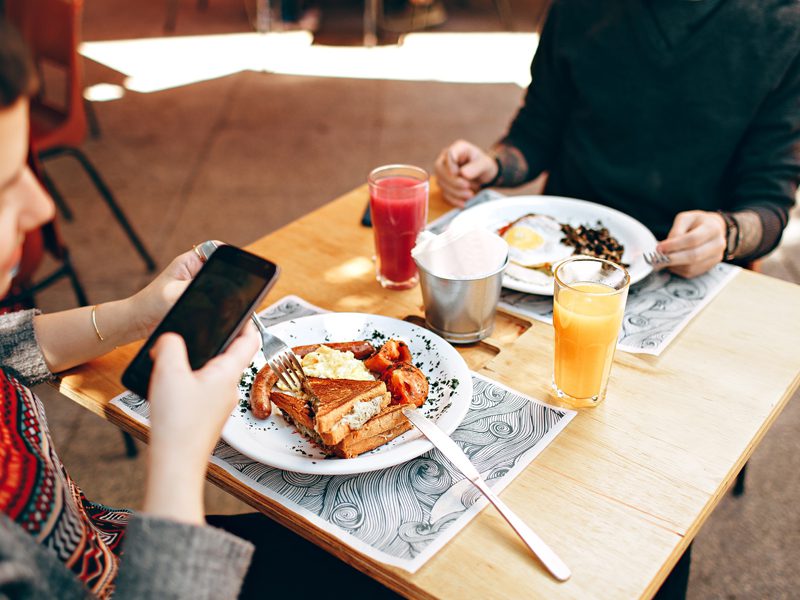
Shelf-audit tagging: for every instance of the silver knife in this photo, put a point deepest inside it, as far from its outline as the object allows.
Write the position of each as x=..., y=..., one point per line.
x=455, y=455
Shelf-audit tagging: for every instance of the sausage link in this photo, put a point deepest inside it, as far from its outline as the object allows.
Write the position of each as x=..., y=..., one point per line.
x=260, y=403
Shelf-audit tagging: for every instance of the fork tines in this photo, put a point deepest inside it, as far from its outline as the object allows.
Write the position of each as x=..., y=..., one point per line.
x=656, y=258
x=288, y=369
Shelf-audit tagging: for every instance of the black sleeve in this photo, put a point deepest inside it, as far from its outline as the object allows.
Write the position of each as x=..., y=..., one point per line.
x=766, y=168
x=536, y=129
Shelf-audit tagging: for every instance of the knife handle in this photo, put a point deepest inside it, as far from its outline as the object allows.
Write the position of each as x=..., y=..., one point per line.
x=549, y=559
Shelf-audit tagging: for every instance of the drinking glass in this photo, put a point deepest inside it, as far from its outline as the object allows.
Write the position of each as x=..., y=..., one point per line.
x=588, y=306
x=398, y=198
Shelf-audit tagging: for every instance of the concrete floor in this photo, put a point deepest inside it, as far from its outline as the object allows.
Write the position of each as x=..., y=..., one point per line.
x=238, y=156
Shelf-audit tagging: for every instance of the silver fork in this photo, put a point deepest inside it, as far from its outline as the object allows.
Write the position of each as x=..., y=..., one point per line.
x=278, y=355
x=280, y=358
x=656, y=258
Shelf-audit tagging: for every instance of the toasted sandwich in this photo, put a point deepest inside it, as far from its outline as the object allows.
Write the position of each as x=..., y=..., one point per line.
x=386, y=425
x=297, y=410
x=344, y=405
x=383, y=427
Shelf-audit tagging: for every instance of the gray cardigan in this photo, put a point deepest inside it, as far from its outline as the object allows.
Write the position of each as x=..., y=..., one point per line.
x=161, y=558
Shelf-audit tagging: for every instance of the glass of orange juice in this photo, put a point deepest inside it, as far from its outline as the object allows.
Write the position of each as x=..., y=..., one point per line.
x=588, y=306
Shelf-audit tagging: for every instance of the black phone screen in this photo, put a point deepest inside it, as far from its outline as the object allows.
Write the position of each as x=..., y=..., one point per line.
x=211, y=310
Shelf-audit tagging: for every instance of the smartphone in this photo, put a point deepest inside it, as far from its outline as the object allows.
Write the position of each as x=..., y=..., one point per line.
x=366, y=218
x=211, y=312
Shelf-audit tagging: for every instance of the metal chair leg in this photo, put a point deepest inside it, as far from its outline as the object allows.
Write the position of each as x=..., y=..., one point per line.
x=131, y=451
x=373, y=12
x=172, y=15
x=107, y=195
x=91, y=117
x=504, y=12
x=263, y=16
x=80, y=295
x=738, y=487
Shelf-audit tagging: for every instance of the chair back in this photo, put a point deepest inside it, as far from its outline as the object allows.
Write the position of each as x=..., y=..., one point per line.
x=52, y=30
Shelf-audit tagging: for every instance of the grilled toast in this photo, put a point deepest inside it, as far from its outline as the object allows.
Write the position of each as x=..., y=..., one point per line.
x=385, y=426
x=344, y=405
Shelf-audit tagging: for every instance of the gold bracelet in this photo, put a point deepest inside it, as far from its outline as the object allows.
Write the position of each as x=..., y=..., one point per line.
x=94, y=322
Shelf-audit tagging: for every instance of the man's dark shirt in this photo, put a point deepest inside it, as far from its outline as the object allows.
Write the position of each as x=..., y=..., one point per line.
x=618, y=117
x=677, y=20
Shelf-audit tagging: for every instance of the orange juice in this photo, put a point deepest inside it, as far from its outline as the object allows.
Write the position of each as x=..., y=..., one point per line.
x=587, y=318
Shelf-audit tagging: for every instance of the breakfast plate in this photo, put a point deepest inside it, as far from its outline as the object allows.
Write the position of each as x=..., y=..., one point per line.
x=276, y=443
x=633, y=235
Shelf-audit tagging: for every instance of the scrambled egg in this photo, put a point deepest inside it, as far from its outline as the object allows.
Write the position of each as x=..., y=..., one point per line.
x=334, y=364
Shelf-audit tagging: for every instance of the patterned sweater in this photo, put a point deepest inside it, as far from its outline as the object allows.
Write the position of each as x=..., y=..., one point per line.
x=54, y=542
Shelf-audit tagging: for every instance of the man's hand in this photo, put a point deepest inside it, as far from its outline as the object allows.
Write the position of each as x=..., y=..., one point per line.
x=462, y=169
x=695, y=243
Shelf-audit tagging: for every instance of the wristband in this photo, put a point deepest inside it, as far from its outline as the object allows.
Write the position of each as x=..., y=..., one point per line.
x=733, y=235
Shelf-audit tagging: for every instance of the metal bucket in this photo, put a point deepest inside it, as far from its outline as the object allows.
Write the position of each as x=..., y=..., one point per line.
x=461, y=310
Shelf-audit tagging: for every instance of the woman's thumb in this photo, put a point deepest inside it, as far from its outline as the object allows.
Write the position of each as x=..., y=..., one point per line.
x=169, y=353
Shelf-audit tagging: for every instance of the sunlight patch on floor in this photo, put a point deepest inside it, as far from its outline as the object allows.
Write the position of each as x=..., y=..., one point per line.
x=156, y=64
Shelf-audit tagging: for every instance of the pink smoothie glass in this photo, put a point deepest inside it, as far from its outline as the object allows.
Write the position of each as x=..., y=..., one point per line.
x=398, y=198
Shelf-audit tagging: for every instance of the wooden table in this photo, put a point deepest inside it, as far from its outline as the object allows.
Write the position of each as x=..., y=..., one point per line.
x=622, y=491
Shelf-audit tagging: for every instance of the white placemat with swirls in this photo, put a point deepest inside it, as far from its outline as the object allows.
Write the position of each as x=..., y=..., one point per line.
x=659, y=307
x=402, y=515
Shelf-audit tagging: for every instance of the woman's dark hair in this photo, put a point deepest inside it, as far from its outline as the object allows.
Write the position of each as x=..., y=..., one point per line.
x=17, y=75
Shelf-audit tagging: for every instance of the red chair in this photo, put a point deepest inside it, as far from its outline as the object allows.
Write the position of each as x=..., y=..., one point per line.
x=23, y=290
x=25, y=285
x=172, y=13
x=52, y=30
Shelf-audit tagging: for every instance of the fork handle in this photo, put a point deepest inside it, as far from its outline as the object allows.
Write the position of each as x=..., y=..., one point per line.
x=258, y=323
x=540, y=549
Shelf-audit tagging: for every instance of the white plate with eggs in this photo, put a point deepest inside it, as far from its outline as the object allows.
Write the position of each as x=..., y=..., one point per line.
x=540, y=240
x=275, y=442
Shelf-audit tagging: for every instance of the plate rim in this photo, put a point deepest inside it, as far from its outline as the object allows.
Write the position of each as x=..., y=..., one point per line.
x=411, y=449
x=539, y=198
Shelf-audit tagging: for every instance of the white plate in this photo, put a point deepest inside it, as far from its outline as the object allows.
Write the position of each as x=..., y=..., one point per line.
x=635, y=237
x=276, y=443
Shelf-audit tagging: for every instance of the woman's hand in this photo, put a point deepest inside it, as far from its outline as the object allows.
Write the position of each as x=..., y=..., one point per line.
x=72, y=337
x=187, y=411
x=695, y=243
x=150, y=304
x=462, y=169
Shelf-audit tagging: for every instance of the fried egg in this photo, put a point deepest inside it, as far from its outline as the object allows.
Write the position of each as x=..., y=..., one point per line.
x=536, y=241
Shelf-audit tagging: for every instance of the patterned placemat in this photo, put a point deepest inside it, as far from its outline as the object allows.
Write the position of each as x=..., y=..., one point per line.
x=659, y=307
x=404, y=514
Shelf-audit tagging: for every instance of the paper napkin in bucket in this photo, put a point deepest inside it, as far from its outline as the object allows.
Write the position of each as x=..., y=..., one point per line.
x=460, y=252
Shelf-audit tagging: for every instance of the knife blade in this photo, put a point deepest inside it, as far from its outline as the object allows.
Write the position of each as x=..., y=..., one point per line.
x=456, y=456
